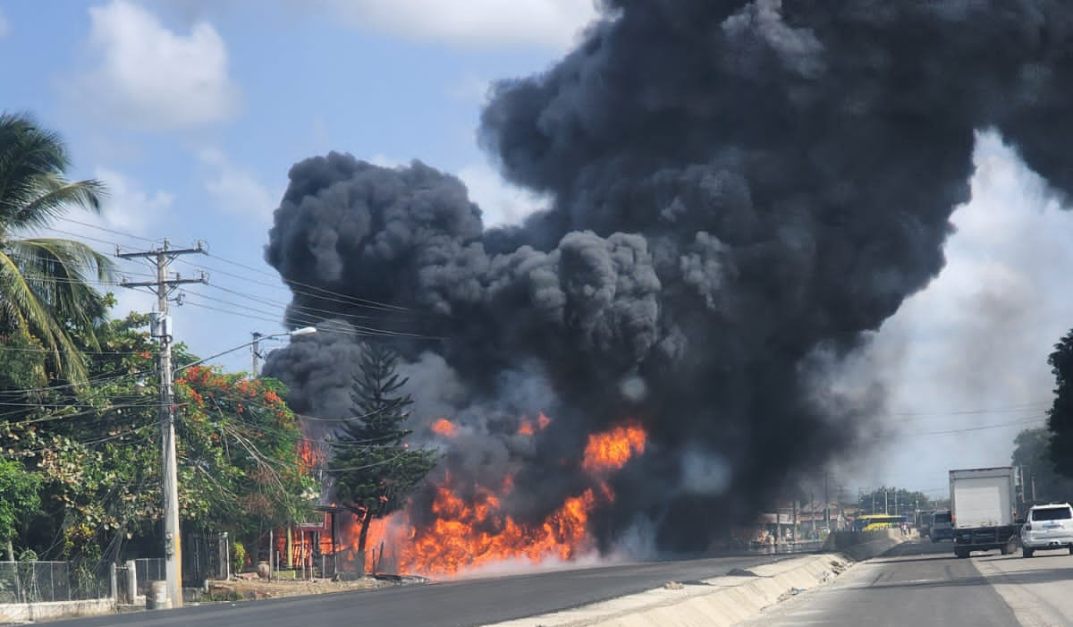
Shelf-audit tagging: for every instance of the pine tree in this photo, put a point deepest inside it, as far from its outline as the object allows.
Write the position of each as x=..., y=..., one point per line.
x=373, y=468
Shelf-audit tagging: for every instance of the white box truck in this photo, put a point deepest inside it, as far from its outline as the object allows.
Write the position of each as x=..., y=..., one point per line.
x=983, y=504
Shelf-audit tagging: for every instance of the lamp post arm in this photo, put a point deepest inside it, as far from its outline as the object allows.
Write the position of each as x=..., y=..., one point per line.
x=302, y=331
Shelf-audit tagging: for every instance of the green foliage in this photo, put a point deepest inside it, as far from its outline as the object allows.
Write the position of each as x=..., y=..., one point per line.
x=97, y=450
x=240, y=447
x=1060, y=415
x=1032, y=454
x=891, y=500
x=19, y=497
x=45, y=282
x=238, y=557
x=373, y=468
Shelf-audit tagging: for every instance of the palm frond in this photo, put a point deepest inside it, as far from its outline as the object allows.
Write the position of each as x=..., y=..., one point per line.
x=46, y=284
x=32, y=165
x=21, y=307
x=59, y=272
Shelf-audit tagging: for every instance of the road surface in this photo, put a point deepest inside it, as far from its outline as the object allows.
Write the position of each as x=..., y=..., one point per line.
x=924, y=584
x=450, y=604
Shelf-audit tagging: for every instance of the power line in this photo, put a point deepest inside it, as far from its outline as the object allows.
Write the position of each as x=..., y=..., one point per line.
x=98, y=380
x=987, y=410
x=970, y=429
x=311, y=321
x=112, y=231
x=342, y=298
x=353, y=299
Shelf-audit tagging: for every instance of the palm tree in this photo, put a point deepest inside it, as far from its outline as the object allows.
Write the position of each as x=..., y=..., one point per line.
x=45, y=289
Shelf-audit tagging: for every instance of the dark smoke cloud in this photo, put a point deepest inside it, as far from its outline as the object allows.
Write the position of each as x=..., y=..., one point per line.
x=739, y=188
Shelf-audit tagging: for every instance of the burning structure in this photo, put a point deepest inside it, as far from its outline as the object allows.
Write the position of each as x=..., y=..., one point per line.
x=738, y=193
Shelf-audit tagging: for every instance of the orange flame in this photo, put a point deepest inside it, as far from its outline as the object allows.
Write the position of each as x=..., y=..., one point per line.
x=528, y=428
x=469, y=532
x=610, y=450
x=445, y=427
x=469, y=535
x=310, y=457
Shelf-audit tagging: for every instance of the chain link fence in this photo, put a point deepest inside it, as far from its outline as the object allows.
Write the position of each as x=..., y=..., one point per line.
x=147, y=570
x=43, y=582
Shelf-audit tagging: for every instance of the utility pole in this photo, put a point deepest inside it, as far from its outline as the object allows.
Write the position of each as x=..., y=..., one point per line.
x=793, y=531
x=812, y=511
x=826, y=504
x=256, y=352
x=163, y=288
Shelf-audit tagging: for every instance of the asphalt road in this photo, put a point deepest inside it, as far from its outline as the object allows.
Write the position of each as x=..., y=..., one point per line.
x=1037, y=589
x=449, y=604
x=916, y=583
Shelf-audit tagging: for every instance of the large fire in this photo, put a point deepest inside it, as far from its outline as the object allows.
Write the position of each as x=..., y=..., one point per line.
x=467, y=533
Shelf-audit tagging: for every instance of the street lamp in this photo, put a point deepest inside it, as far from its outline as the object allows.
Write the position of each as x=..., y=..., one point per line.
x=257, y=338
x=173, y=561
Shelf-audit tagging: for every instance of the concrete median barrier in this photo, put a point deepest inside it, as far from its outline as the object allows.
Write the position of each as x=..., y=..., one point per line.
x=863, y=545
x=717, y=602
x=723, y=601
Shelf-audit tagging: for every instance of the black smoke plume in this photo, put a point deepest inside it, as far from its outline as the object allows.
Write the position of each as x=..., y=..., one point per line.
x=739, y=191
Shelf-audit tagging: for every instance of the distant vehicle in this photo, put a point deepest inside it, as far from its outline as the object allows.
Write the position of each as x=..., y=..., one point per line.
x=942, y=526
x=924, y=522
x=1047, y=527
x=982, y=510
x=875, y=522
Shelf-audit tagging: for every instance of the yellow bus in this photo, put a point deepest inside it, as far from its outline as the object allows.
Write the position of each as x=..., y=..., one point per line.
x=874, y=522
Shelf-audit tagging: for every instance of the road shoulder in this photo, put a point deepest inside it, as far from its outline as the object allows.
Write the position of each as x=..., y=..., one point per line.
x=1037, y=589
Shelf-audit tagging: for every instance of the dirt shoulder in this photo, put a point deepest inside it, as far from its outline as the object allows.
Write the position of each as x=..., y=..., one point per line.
x=243, y=589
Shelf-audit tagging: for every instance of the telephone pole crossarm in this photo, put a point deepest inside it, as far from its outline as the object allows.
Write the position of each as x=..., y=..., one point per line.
x=168, y=283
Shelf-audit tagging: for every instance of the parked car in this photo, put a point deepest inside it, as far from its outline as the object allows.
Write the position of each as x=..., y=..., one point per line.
x=1047, y=527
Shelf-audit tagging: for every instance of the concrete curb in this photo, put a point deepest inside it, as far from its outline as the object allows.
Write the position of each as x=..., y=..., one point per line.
x=718, y=602
x=722, y=601
x=53, y=610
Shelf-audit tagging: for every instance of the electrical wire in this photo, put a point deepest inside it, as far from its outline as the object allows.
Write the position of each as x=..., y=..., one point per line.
x=108, y=230
x=353, y=299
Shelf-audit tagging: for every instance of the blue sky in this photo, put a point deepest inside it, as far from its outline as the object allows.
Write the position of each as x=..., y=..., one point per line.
x=192, y=111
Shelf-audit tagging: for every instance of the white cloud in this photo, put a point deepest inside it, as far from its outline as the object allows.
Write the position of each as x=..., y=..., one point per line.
x=977, y=338
x=385, y=161
x=549, y=23
x=128, y=208
x=5, y=26
x=150, y=78
x=127, y=218
x=501, y=203
x=235, y=189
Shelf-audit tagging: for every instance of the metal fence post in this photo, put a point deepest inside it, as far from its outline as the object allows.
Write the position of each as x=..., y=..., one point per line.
x=113, y=582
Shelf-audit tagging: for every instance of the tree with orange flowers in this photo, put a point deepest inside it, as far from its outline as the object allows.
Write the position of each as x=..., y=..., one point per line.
x=373, y=467
x=96, y=450
x=240, y=446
